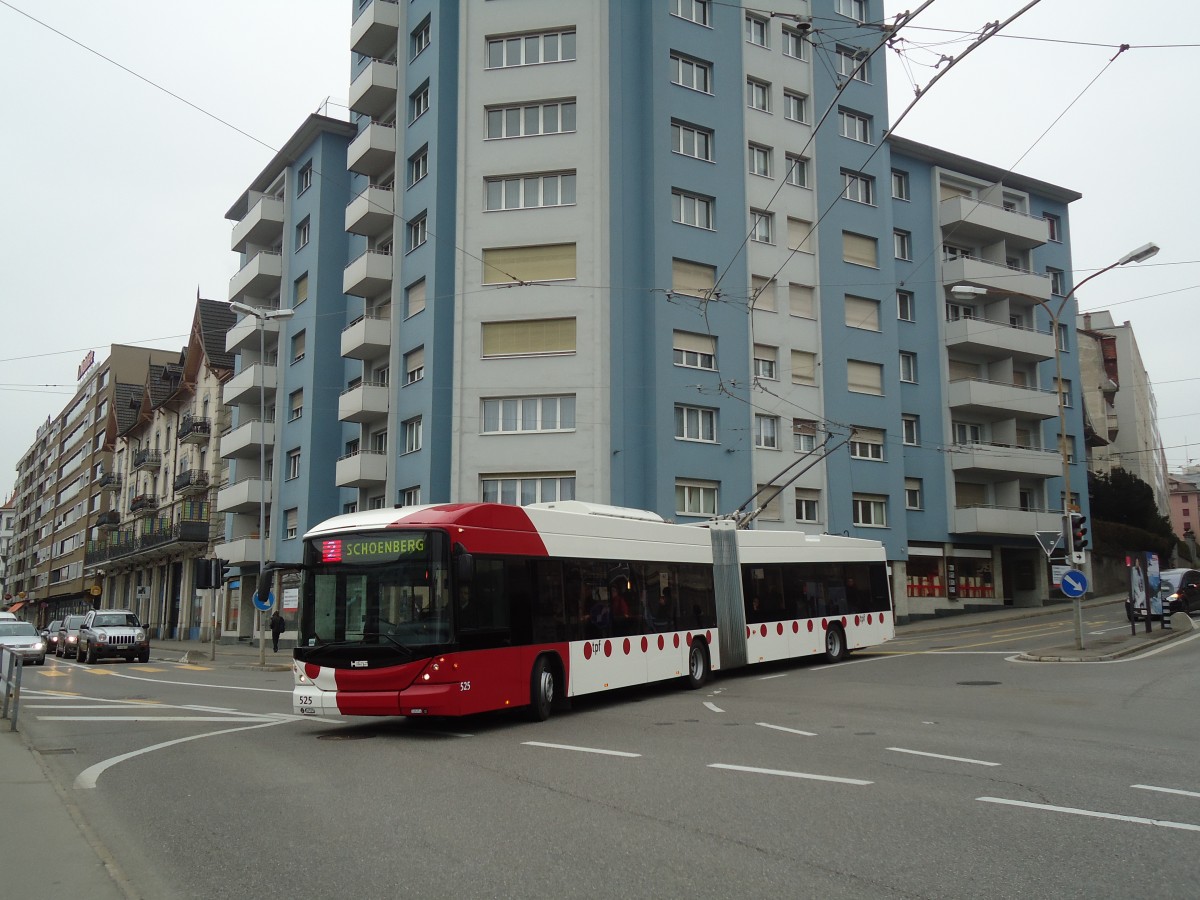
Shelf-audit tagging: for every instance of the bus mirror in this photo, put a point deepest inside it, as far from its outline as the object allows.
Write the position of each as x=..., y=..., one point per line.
x=464, y=565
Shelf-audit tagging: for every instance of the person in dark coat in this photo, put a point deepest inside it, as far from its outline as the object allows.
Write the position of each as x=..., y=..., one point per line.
x=278, y=626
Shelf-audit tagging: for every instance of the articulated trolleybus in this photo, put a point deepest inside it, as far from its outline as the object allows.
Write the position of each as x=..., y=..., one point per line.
x=456, y=609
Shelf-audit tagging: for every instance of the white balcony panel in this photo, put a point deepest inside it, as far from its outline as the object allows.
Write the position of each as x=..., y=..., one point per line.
x=244, y=441
x=245, y=386
x=996, y=276
x=365, y=403
x=240, y=551
x=361, y=470
x=372, y=212
x=986, y=223
x=369, y=275
x=373, y=91
x=1007, y=462
x=1003, y=520
x=244, y=334
x=366, y=338
x=996, y=340
x=377, y=28
x=373, y=150
x=262, y=225
x=998, y=400
x=260, y=277
x=243, y=496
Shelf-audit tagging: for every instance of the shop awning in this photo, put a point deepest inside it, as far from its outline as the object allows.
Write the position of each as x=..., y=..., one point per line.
x=18, y=606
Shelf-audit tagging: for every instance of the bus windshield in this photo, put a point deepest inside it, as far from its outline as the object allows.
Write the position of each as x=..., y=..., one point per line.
x=386, y=589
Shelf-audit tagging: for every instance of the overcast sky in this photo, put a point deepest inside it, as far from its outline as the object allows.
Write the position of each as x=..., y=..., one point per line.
x=114, y=192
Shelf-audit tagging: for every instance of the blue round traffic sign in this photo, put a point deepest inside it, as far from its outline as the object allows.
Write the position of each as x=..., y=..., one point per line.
x=264, y=605
x=1073, y=583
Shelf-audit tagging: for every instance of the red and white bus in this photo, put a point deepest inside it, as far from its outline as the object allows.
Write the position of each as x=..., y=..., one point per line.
x=455, y=609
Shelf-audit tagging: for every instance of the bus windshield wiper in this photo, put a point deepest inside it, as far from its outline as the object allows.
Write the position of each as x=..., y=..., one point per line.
x=391, y=640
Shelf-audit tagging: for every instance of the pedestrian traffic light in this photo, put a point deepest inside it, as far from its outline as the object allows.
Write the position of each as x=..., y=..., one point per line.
x=1078, y=537
x=203, y=573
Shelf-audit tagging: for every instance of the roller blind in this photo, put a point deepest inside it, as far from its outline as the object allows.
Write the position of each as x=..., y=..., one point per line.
x=800, y=298
x=547, y=262
x=966, y=494
x=864, y=377
x=800, y=235
x=528, y=336
x=763, y=289
x=862, y=312
x=860, y=249
x=804, y=367
x=416, y=297
x=696, y=343
x=694, y=279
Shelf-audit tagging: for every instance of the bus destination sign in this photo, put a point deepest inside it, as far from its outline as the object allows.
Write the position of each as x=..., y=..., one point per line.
x=367, y=549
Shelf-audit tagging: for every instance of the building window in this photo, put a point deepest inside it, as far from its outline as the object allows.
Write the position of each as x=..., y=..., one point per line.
x=695, y=498
x=804, y=367
x=807, y=505
x=762, y=226
x=418, y=103
x=531, y=49
x=854, y=126
x=375, y=502
x=414, y=298
x=858, y=187
x=691, y=278
x=911, y=429
x=525, y=488
x=295, y=405
x=695, y=351
x=410, y=496
x=293, y=464
x=534, y=119
x=692, y=209
x=695, y=423
x=908, y=367
x=690, y=140
x=867, y=443
x=862, y=312
x=290, y=523
x=757, y=31
x=855, y=9
x=860, y=249
x=412, y=435
x=804, y=435
x=793, y=43
x=1054, y=226
x=870, y=511
x=513, y=415
x=1067, y=446
x=766, y=432
x=762, y=293
x=414, y=365
x=967, y=433
x=692, y=74
x=766, y=362
x=302, y=233
x=298, y=341
x=864, y=377
x=529, y=191
x=760, y=160
x=905, y=306
x=900, y=185
x=1064, y=343
x=1056, y=281
x=902, y=241
x=848, y=59
x=304, y=179
x=419, y=39
x=523, y=265
x=797, y=170
x=1064, y=390
x=802, y=301
x=692, y=10
x=912, y=494
x=418, y=232
x=527, y=337
x=795, y=107
x=758, y=94
x=418, y=165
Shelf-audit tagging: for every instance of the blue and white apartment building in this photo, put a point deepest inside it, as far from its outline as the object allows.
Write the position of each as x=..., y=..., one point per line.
x=655, y=253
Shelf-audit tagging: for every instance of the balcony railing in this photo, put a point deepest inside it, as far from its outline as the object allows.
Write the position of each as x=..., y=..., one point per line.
x=143, y=503
x=110, y=481
x=147, y=457
x=194, y=430
x=160, y=532
x=193, y=481
x=108, y=519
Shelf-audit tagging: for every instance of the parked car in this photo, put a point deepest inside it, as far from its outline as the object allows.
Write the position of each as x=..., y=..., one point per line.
x=1180, y=589
x=8, y=617
x=22, y=639
x=112, y=632
x=68, y=636
x=50, y=635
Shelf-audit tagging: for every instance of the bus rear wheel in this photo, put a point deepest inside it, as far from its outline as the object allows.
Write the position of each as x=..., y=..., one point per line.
x=835, y=644
x=698, y=668
x=541, y=690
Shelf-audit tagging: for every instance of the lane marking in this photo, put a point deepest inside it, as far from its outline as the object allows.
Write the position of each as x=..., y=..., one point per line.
x=581, y=749
x=788, y=730
x=713, y=706
x=1136, y=820
x=245, y=718
x=961, y=759
x=769, y=677
x=86, y=780
x=1150, y=787
x=222, y=687
x=806, y=775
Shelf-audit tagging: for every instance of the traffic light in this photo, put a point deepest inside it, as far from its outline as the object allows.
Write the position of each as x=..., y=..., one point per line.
x=220, y=572
x=1077, y=540
x=202, y=570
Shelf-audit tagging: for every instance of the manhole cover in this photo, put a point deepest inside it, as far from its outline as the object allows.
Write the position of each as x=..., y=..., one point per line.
x=344, y=737
x=978, y=683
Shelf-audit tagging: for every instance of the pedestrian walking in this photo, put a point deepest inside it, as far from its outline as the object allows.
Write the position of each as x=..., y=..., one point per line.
x=277, y=628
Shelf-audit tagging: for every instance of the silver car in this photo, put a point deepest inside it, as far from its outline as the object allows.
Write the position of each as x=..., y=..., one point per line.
x=23, y=640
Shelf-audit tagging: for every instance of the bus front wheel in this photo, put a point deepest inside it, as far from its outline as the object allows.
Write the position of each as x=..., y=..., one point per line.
x=541, y=690
x=835, y=644
x=698, y=668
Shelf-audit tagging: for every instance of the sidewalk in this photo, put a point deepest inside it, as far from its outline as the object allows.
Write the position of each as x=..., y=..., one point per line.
x=239, y=655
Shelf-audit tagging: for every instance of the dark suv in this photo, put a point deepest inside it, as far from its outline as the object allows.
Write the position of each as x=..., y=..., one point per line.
x=113, y=632
x=1180, y=590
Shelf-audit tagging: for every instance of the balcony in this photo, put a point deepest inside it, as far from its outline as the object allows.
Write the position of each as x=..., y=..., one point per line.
x=110, y=481
x=1001, y=461
x=365, y=402
x=373, y=150
x=982, y=273
x=147, y=459
x=158, y=535
x=195, y=430
x=1001, y=400
x=362, y=469
x=373, y=91
x=240, y=551
x=244, y=441
x=247, y=385
x=366, y=337
x=191, y=482
x=369, y=275
x=261, y=226
x=108, y=520
x=985, y=223
x=244, y=495
x=997, y=340
x=244, y=333
x=260, y=277
x=372, y=212
x=143, y=504
x=377, y=28
x=1005, y=520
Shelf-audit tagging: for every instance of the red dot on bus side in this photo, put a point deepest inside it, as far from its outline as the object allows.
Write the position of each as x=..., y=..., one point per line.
x=824, y=624
x=844, y=622
x=881, y=618
x=762, y=629
x=810, y=625
x=608, y=648
x=856, y=621
x=868, y=618
x=645, y=644
x=748, y=631
x=795, y=628
x=708, y=636
x=688, y=637
x=625, y=646
x=587, y=650
x=779, y=628
x=676, y=640
x=661, y=643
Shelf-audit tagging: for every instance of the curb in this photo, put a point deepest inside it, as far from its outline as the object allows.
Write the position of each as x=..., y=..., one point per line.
x=1105, y=657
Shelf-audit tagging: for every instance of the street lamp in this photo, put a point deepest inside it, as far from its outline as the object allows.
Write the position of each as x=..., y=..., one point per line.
x=966, y=291
x=262, y=316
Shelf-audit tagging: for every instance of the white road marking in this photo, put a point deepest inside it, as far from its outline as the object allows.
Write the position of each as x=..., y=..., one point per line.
x=785, y=774
x=1150, y=787
x=86, y=780
x=243, y=718
x=961, y=759
x=713, y=706
x=769, y=677
x=581, y=749
x=1136, y=820
x=788, y=730
x=223, y=687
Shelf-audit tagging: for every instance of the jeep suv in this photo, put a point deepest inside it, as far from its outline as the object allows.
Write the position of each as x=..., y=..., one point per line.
x=113, y=632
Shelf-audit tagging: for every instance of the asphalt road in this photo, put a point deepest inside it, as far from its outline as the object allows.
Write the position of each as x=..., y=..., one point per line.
x=938, y=767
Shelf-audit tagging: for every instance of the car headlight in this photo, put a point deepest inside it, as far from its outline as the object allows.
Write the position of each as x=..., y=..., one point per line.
x=101, y=637
x=40, y=645
x=72, y=638
x=139, y=636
